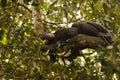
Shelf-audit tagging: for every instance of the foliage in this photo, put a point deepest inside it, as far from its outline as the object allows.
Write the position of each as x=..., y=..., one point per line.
x=20, y=55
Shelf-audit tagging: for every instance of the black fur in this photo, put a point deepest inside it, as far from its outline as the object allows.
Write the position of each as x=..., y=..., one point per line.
x=88, y=28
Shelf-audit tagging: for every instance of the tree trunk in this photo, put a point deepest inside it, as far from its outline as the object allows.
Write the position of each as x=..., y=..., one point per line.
x=38, y=26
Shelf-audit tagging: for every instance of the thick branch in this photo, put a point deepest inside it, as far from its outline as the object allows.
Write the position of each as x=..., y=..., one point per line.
x=82, y=41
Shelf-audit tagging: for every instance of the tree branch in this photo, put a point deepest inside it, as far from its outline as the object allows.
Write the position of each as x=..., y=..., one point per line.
x=19, y=4
x=82, y=41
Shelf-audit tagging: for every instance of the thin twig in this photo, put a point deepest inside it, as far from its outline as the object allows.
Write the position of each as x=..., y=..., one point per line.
x=24, y=7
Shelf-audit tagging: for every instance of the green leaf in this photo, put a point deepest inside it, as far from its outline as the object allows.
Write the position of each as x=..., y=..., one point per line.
x=1, y=34
x=26, y=1
x=3, y=3
x=4, y=40
x=95, y=1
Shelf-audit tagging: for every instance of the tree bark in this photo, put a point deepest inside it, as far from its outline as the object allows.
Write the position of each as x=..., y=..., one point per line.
x=82, y=41
x=38, y=26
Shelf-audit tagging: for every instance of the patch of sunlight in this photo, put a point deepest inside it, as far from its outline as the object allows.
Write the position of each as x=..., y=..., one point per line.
x=78, y=14
x=94, y=54
x=20, y=23
x=88, y=51
x=64, y=20
x=80, y=61
x=53, y=73
x=69, y=25
x=7, y=60
x=114, y=77
x=46, y=0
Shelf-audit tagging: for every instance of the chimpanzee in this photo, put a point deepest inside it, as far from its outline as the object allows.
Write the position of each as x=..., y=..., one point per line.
x=87, y=28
